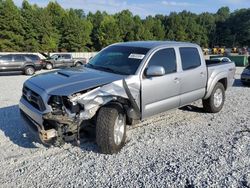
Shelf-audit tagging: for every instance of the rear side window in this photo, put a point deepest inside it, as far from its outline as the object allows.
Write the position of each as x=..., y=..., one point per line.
x=33, y=57
x=190, y=58
x=165, y=58
x=66, y=56
x=19, y=58
x=6, y=58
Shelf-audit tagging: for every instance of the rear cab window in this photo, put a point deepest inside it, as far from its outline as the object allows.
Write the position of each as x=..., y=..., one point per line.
x=190, y=58
x=67, y=56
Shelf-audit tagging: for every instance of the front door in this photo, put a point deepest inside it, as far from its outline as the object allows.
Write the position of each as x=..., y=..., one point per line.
x=60, y=61
x=161, y=93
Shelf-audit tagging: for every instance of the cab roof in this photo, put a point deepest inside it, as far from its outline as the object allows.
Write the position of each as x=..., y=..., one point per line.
x=154, y=44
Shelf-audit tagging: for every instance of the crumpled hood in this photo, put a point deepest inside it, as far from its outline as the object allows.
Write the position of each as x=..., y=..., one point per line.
x=69, y=81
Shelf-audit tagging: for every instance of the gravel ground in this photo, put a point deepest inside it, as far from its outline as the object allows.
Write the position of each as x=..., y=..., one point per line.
x=183, y=147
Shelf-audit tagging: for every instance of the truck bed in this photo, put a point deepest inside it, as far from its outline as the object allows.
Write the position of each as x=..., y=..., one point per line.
x=227, y=69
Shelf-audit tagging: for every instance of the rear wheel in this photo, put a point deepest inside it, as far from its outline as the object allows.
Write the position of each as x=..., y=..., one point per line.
x=49, y=66
x=111, y=129
x=216, y=101
x=29, y=70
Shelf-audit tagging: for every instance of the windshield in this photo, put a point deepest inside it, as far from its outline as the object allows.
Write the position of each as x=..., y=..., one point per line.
x=118, y=59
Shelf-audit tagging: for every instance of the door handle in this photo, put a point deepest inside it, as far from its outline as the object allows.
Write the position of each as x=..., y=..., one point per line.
x=202, y=74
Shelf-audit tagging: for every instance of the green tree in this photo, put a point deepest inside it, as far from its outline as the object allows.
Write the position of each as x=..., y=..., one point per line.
x=108, y=32
x=48, y=36
x=126, y=24
x=96, y=20
x=11, y=30
x=76, y=32
x=154, y=28
x=30, y=24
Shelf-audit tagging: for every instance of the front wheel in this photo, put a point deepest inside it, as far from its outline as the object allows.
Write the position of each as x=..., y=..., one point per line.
x=111, y=129
x=216, y=101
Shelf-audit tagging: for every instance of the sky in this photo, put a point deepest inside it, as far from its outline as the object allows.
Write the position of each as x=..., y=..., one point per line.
x=144, y=8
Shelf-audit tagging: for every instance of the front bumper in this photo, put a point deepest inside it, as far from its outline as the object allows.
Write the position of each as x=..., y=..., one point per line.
x=33, y=119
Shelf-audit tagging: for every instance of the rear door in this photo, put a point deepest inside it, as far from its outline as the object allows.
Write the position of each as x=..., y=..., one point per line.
x=18, y=62
x=159, y=94
x=193, y=76
x=68, y=61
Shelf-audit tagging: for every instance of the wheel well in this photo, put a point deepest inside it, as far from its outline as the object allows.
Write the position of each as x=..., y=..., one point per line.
x=224, y=82
x=124, y=104
x=28, y=66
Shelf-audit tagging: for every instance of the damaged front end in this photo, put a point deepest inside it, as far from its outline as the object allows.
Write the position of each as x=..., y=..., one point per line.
x=69, y=114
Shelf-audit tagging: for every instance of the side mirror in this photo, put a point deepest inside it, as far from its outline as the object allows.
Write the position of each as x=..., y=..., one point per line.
x=155, y=71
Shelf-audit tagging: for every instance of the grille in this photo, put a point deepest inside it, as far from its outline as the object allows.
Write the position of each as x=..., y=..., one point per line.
x=33, y=98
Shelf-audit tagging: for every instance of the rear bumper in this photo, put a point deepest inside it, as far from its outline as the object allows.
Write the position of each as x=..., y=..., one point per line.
x=245, y=78
x=39, y=67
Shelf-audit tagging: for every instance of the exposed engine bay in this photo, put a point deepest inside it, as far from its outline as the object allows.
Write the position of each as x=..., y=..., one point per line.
x=71, y=113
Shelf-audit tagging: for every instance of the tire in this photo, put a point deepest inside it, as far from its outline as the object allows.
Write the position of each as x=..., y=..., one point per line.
x=216, y=100
x=29, y=70
x=110, y=135
x=78, y=64
x=49, y=66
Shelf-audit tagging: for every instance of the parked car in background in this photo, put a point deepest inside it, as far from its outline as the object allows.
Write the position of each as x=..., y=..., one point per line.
x=26, y=63
x=63, y=60
x=243, y=51
x=245, y=76
x=221, y=59
x=118, y=86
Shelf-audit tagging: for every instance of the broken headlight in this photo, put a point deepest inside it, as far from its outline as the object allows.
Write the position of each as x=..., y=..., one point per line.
x=72, y=106
x=56, y=104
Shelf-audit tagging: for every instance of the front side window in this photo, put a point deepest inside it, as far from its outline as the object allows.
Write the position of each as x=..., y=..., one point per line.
x=119, y=59
x=165, y=58
x=55, y=56
x=190, y=58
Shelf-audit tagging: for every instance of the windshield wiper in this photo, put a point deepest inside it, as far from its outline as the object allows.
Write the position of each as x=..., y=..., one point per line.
x=105, y=69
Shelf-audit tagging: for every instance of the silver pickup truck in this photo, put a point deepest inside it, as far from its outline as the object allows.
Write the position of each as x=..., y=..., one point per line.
x=123, y=83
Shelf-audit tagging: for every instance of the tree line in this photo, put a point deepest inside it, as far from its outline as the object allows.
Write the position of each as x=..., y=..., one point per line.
x=52, y=28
